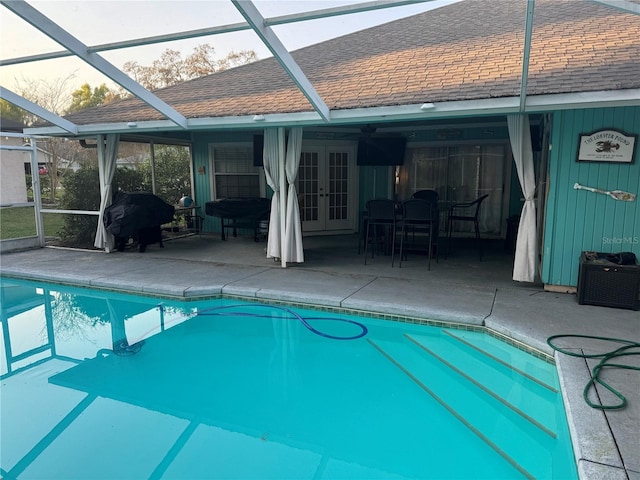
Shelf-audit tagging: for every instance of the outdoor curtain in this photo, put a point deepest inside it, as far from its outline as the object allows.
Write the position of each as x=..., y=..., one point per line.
x=293, y=251
x=524, y=266
x=107, y=155
x=271, y=169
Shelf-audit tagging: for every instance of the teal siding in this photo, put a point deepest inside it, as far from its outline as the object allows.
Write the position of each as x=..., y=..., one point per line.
x=202, y=182
x=578, y=220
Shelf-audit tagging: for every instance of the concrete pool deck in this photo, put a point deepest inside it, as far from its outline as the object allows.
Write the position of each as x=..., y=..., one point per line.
x=457, y=289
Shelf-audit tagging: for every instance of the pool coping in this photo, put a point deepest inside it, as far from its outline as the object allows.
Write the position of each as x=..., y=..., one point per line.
x=594, y=446
x=285, y=300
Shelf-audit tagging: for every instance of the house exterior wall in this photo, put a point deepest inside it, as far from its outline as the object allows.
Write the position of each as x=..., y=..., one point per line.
x=578, y=220
x=373, y=181
x=202, y=180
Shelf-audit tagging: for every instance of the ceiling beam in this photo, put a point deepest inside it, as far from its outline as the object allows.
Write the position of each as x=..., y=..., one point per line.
x=343, y=10
x=138, y=42
x=64, y=38
x=229, y=28
x=279, y=51
x=37, y=110
x=526, y=52
x=624, y=5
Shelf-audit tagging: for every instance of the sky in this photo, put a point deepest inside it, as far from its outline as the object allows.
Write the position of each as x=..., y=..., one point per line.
x=96, y=22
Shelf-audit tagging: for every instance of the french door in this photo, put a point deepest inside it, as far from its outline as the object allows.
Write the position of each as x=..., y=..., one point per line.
x=327, y=188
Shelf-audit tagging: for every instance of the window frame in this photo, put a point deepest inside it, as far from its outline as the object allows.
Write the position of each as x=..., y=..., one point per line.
x=258, y=171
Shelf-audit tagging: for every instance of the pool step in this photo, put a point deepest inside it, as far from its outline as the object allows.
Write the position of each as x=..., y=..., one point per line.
x=509, y=433
x=535, y=399
x=541, y=371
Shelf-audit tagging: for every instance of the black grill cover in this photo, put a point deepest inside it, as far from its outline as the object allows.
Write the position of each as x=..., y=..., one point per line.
x=131, y=212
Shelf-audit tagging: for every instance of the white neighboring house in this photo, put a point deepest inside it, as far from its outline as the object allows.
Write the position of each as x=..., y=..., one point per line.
x=15, y=164
x=13, y=183
x=133, y=161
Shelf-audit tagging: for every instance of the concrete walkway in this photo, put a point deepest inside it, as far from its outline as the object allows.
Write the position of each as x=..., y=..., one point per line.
x=606, y=443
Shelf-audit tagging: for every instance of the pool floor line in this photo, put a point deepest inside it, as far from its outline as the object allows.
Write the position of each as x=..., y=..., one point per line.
x=484, y=388
x=174, y=451
x=500, y=361
x=49, y=438
x=451, y=410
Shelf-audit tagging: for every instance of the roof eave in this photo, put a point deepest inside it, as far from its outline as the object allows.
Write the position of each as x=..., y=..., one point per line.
x=580, y=100
x=419, y=111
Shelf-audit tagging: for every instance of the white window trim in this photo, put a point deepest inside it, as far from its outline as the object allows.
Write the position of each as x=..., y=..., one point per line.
x=212, y=169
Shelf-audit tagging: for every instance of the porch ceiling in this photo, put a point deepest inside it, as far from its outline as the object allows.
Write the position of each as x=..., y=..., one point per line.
x=318, y=111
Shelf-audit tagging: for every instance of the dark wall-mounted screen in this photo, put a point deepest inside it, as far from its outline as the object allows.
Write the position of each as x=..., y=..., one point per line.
x=381, y=150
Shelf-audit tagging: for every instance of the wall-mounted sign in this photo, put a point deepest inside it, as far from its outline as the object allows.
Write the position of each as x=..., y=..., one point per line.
x=607, y=146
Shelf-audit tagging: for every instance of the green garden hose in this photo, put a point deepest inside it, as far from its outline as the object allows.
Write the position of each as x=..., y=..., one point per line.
x=595, y=372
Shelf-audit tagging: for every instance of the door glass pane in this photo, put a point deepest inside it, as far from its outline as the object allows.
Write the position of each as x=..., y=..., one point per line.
x=493, y=179
x=424, y=169
x=308, y=186
x=464, y=173
x=338, y=176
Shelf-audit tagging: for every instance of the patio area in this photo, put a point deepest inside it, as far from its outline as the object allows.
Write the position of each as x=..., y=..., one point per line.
x=458, y=288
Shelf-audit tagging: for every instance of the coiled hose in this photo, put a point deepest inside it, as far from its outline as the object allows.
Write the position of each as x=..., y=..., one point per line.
x=606, y=357
x=224, y=310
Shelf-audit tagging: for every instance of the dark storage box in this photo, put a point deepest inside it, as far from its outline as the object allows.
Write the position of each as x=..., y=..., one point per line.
x=601, y=282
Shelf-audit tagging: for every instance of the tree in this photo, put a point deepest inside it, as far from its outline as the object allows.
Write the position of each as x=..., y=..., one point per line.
x=82, y=192
x=85, y=97
x=54, y=96
x=61, y=155
x=172, y=164
x=171, y=68
x=11, y=112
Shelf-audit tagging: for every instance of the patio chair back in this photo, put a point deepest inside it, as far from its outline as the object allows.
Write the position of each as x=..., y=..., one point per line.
x=418, y=216
x=381, y=216
x=466, y=212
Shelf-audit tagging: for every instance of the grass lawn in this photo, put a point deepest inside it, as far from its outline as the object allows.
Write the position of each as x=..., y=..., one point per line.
x=17, y=222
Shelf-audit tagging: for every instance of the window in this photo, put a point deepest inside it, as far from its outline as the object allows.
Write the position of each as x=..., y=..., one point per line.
x=234, y=173
x=459, y=174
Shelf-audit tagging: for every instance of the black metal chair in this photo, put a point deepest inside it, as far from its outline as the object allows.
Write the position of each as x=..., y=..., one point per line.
x=466, y=212
x=433, y=197
x=381, y=222
x=418, y=216
x=428, y=195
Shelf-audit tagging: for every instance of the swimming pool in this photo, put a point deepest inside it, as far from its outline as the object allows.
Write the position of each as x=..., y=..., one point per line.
x=99, y=384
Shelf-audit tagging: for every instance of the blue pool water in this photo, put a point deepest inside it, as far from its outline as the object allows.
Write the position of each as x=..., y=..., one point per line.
x=100, y=384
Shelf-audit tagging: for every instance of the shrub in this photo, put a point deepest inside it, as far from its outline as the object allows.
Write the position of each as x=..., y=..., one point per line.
x=82, y=192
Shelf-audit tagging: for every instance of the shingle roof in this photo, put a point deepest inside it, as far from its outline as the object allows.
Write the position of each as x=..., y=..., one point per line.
x=466, y=51
x=9, y=125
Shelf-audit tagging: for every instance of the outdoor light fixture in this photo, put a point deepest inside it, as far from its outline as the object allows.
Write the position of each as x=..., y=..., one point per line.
x=132, y=124
x=258, y=118
x=427, y=106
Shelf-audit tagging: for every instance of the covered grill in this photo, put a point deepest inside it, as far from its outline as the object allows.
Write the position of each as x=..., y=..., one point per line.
x=137, y=215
